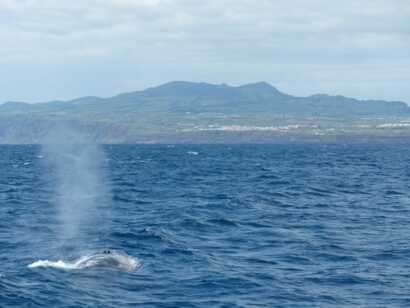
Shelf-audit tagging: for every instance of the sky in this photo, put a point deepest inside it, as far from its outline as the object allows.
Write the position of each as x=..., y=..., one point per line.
x=63, y=49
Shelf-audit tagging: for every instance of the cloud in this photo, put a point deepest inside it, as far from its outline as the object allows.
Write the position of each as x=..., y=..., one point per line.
x=101, y=47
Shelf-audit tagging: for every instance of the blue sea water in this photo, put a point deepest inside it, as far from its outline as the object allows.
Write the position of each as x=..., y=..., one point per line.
x=316, y=225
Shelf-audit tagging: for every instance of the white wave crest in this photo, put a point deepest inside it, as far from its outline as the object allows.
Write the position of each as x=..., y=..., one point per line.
x=107, y=258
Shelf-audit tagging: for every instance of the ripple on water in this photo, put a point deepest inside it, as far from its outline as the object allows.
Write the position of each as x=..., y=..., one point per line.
x=235, y=226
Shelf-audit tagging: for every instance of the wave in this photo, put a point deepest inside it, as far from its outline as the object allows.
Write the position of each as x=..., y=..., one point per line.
x=105, y=258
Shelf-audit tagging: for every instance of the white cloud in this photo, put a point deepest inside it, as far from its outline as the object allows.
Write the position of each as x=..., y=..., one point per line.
x=117, y=45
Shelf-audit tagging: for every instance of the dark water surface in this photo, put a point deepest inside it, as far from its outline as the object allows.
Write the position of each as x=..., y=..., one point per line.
x=216, y=226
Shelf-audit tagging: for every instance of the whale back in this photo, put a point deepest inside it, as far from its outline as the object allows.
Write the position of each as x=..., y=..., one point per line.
x=108, y=258
x=105, y=258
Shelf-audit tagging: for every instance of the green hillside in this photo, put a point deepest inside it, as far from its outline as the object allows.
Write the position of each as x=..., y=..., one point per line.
x=199, y=112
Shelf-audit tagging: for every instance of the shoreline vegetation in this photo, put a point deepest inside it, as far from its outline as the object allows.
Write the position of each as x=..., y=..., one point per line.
x=186, y=112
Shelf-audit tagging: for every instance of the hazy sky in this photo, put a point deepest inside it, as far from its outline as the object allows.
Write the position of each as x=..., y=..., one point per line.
x=60, y=49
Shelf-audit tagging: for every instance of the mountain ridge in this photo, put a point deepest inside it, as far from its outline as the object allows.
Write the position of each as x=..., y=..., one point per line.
x=190, y=112
x=187, y=88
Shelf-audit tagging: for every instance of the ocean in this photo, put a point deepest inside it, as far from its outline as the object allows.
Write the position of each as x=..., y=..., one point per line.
x=284, y=225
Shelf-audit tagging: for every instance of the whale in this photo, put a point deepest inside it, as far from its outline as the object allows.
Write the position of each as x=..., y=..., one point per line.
x=106, y=258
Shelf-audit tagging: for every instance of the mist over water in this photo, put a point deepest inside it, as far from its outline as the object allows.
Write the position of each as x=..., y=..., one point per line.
x=82, y=205
x=81, y=194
